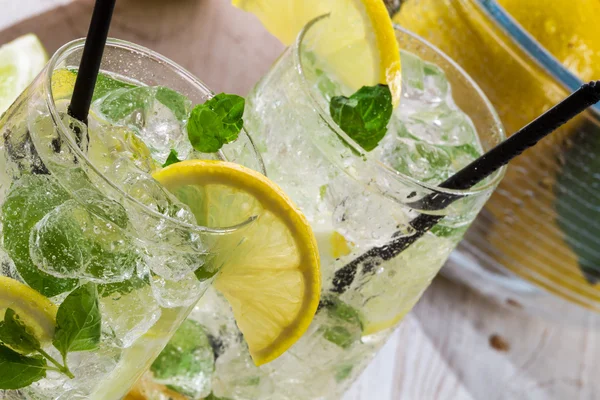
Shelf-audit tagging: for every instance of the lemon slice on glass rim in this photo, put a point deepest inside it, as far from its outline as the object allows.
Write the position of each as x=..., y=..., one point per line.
x=355, y=30
x=271, y=277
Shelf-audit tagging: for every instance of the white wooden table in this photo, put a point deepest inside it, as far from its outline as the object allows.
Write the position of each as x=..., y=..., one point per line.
x=442, y=350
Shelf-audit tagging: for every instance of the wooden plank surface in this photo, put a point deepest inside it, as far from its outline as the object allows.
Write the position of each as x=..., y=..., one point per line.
x=443, y=350
x=226, y=48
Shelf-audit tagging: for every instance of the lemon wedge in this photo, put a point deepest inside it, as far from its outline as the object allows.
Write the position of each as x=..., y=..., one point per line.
x=37, y=312
x=271, y=278
x=355, y=30
x=20, y=61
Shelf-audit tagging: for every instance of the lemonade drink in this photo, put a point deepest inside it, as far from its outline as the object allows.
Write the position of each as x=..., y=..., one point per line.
x=99, y=263
x=355, y=201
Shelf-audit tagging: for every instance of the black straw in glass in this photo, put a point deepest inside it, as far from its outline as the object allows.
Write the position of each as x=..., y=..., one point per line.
x=468, y=177
x=90, y=60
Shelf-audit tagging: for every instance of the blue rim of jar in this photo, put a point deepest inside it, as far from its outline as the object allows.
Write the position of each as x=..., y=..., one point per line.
x=532, y=47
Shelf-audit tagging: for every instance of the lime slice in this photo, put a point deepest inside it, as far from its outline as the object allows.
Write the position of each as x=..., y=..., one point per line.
x=20, y=61
x=34, y=310
x=356, y=30
x=271, y=279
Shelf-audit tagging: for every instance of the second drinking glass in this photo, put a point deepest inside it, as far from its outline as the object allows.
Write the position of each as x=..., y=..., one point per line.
x=355, y=201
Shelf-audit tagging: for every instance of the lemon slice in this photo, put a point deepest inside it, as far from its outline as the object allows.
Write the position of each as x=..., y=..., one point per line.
x=20, y=61
x=272, y=278
x=356, y=30
x=37, y=312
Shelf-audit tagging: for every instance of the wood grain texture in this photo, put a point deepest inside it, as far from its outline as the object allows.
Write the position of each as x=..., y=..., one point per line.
x=223, y=46
x=442, y=350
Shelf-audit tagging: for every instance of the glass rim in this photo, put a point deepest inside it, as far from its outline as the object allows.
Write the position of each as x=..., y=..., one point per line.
x=308, y=89
x=60, y=55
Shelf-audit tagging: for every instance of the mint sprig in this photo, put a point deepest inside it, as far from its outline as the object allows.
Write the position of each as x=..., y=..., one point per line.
x=78, y=321
x=18, y=371
x=78, y=329
x=364, y=116
x=216, y=122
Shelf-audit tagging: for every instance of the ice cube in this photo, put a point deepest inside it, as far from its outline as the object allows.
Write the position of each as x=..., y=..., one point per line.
x=187, y=362
x=441, y=126
x=417, y=159
x=182, y=292
x=424, y=85
x=157, y=114
x=71, y=242
x=357, y=210
x=463, y=155
x=128, y=309
x=237, y=377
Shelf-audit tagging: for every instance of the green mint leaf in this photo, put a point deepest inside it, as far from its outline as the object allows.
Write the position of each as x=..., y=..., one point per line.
x=18, y=371
x=121, y=103
x=29, y=200
x=78, y=321
x=213, y=397
x=342, y=372
x=364, y=116
x=339, y=336
x=216, y=122
x=205, y=272
x=106, y=84
x=188, y=356
x=176, y=102
x=124, y=287
x=346, y=326
x=172, y=158
x=14, y=334
x=337, y=309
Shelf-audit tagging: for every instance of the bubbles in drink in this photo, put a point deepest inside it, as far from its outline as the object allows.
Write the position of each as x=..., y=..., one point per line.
x=129, y=310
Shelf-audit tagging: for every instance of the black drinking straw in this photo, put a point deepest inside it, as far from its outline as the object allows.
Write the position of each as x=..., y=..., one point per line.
x=90, y=60
x=468, y=177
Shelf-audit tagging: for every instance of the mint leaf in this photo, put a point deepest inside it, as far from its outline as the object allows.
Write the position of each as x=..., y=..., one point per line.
x=106, y=84
x=29, y=200
x=188, y=357
x=123, y=102
x=344, y=324
x=364, y=116
x=343, y=371
x=337, y=309
x=78, y=321
x=176, y=102
x=213, y=397
x=172, y=158
x=18, y=371
x=216, y=122
x=13, y=333
x=339, y=335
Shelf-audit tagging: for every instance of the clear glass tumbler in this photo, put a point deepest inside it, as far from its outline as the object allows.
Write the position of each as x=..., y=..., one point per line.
x=354, y=202
x=97, y=265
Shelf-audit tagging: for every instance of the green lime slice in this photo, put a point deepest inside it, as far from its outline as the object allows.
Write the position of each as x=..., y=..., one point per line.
x=20, y=61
